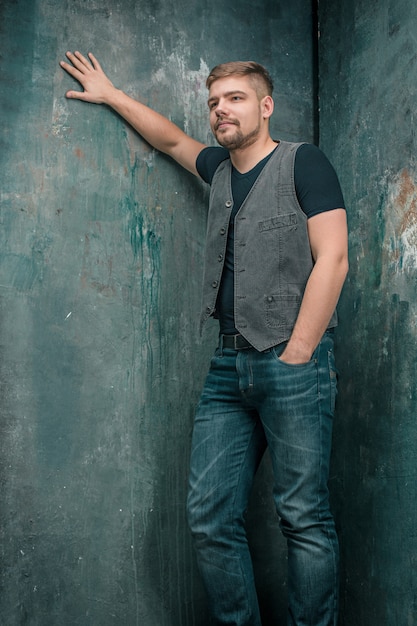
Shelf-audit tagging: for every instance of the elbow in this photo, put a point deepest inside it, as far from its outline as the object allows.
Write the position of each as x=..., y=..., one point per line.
x=337, y=264
x=344, y=267
x=341, y=263
x=342, y=270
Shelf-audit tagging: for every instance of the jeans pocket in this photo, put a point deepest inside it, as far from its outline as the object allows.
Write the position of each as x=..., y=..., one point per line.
x=278, y=350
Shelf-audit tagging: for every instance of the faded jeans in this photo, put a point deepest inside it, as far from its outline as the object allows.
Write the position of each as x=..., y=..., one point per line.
x=252, y=400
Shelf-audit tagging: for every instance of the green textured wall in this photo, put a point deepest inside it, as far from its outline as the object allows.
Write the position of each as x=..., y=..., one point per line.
x=368, y=98
x=100, y=267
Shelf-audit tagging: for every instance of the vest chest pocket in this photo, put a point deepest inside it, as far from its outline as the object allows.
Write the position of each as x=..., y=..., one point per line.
x=281, y=311
x=279, y=221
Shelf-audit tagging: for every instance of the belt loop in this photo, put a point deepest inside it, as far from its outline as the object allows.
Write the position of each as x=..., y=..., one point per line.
x=221, y=344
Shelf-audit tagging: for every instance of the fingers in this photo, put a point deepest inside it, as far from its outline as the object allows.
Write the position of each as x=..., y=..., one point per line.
x=88, y=72
x=71, y=70
x=80, y=66
x=78, y=74
x=94, y=61
x=79, y=61
x=78, y=69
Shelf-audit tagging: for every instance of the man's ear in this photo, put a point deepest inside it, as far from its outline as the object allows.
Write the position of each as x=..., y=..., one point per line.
x=267, y=105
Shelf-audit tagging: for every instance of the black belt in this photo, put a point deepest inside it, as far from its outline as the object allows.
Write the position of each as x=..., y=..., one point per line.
x=235, y=342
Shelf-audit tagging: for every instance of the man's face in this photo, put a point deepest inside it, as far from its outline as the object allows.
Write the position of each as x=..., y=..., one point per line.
x=235, y=112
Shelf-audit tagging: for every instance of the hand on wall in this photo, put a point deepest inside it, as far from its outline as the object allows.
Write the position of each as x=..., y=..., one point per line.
x=90, y=75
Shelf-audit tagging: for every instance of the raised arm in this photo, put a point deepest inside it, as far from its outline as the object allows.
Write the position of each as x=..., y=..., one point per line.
x=156, y=129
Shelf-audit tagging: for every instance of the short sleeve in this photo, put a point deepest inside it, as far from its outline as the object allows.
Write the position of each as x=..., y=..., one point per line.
x=209, y=160
x=316, y=182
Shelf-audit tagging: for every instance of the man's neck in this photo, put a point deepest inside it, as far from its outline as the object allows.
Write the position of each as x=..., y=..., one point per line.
x=246, y=158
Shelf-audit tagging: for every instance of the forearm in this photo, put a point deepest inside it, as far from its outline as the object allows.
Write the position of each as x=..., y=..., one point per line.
x=319, y=302
x=156, y=129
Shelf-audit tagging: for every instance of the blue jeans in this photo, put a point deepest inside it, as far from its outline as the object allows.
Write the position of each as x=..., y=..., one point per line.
x=252, y=400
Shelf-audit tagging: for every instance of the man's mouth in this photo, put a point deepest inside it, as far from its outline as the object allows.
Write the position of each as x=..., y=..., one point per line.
x=224, y=123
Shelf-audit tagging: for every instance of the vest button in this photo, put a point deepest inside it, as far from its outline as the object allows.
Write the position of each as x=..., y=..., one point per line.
x=270, y=299
x=228, y=204
x=220, y=258
x=222, y=231
x=214, y=284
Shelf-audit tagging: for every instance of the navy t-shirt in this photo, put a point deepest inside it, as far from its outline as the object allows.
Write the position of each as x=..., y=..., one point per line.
x=317, y=188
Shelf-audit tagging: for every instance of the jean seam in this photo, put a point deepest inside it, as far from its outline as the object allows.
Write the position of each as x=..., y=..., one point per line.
x=248, y=611
x=320, y=516
x=332, y=380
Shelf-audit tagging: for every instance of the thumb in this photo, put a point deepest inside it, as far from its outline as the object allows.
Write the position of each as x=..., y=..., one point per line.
x=71, y=94
x=76, y=95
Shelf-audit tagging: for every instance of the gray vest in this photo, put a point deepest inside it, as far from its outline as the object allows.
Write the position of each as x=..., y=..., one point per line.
x=272, y=253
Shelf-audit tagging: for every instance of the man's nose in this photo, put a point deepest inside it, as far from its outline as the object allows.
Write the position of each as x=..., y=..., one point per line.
x=220, y=109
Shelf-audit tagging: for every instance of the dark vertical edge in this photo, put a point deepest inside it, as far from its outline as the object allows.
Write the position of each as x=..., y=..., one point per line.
x=315, y=27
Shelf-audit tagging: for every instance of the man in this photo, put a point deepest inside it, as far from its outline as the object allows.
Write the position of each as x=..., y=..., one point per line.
x=276, y=260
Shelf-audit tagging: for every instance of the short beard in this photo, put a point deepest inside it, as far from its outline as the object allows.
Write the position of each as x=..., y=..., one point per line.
x=238, y=141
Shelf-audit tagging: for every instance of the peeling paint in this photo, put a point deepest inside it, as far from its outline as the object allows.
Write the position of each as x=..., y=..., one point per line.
x=187, y=87
x=400, y=216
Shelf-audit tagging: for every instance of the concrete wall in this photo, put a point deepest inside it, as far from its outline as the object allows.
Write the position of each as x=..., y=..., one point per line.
x=100, y=266
x=368, y=78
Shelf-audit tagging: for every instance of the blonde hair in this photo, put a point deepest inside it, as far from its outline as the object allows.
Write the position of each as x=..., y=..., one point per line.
x=259, y=77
